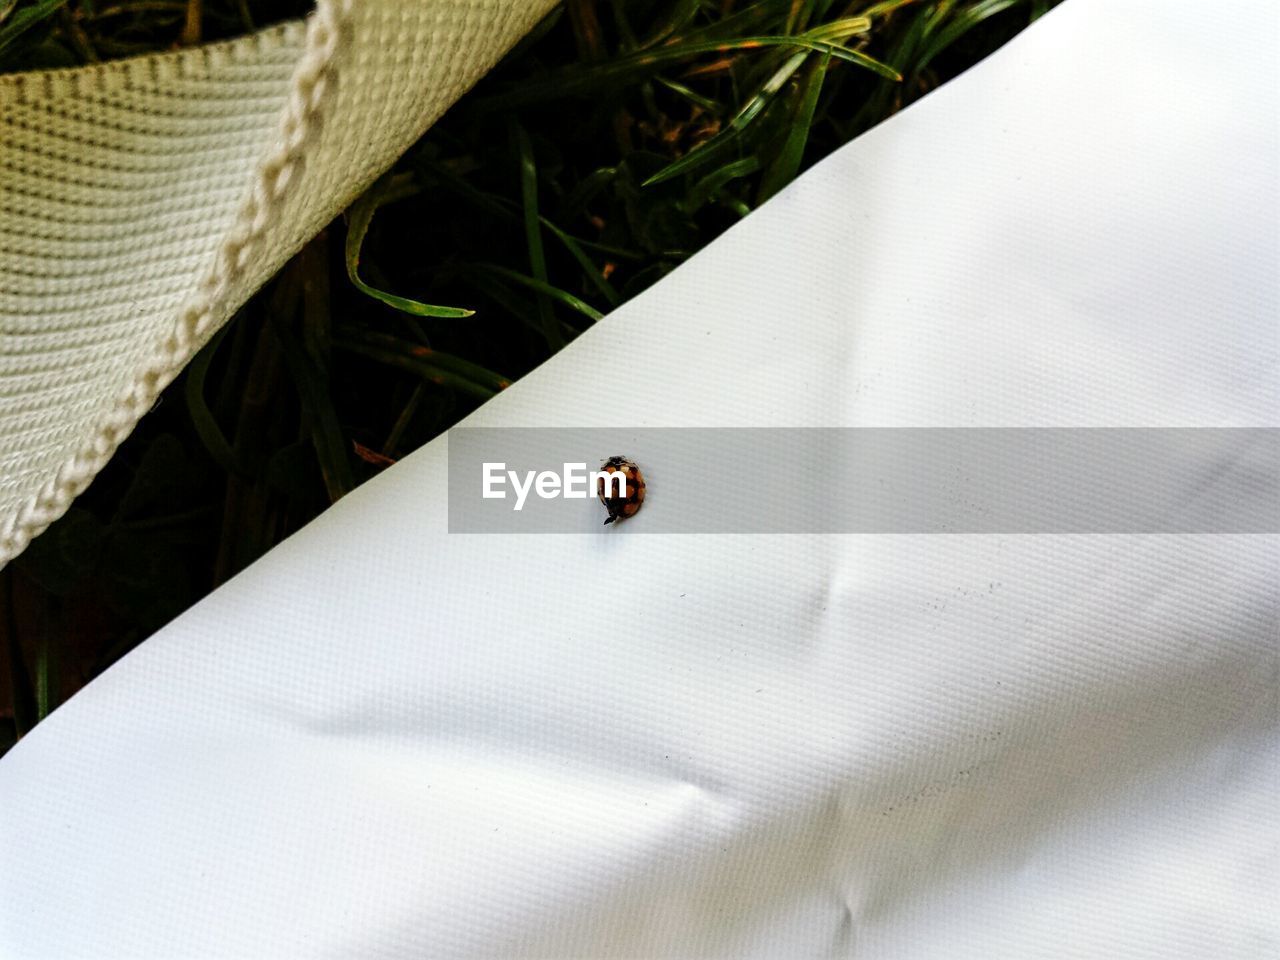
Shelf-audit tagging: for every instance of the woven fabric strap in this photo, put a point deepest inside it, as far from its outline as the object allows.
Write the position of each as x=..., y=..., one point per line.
x=142, y=201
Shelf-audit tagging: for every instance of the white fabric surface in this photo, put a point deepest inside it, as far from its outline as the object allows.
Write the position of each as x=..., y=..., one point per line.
x=386, y=741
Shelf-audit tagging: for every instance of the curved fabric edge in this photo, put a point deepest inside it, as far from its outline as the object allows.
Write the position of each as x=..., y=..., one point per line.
x=293, y=192
x=194, y=323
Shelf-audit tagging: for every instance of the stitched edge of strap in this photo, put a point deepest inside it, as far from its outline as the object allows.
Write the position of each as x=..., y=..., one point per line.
x=311, y=81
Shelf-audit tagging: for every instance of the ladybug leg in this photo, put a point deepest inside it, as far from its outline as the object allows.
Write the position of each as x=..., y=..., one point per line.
x=610, y=519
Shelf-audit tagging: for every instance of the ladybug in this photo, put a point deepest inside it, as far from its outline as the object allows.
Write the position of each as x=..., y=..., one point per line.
x=621, y=507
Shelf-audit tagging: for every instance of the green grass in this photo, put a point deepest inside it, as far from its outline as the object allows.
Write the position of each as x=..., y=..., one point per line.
x=610, y=145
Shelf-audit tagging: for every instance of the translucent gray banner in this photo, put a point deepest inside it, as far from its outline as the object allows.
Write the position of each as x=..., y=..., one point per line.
x=873, y=480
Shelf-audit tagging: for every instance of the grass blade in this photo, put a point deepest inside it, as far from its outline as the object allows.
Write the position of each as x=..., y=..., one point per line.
x=750, y=110
x=533, y=235
x=960, y=24
x=321, y=417
x=590, y=80
x=358, y=219
x=431, y=365
x=26, y=18
x=697, y=99
x=706, y=188
x=46, y=671
x=502, y=207
x=886, y=7
x=752, y=19
x=446, y=361
x=786, y=165
x=403, y=420
x=842, y=29
x=680, y=15
x=589, y=269
x=21, y=694
x=202, y=418
x=541, y=287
